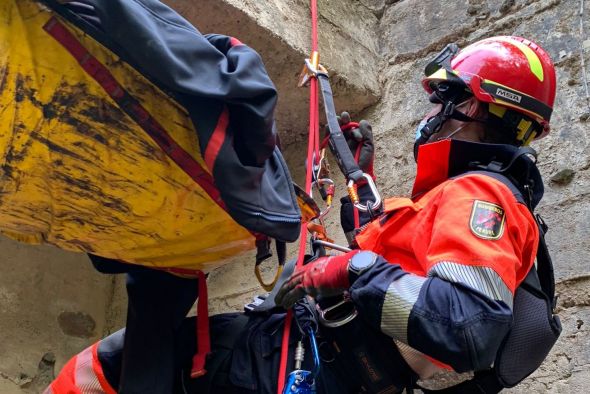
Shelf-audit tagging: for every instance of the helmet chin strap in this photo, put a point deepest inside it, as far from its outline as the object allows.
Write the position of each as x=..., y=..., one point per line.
x=434, y=124
x=458, y=129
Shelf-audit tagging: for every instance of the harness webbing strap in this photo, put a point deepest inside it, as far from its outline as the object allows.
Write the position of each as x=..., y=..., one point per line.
x=202, y=323
x=133, y=108
x=203, y=338
x=338, y=144
x=312, y=159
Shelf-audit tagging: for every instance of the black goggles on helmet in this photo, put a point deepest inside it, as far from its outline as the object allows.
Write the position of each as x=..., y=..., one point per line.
x=454, y=88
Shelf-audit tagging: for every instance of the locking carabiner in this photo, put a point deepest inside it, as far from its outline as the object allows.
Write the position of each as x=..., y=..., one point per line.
x=301, y=381
x=337, y=315
x=354, y=197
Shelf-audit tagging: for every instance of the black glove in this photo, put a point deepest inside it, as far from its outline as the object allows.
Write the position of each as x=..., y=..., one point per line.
x=359, y=137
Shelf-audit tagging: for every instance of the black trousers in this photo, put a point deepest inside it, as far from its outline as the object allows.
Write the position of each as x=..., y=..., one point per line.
x=157, y=305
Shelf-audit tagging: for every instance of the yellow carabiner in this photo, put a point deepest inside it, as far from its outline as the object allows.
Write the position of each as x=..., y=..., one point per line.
x=264, y=285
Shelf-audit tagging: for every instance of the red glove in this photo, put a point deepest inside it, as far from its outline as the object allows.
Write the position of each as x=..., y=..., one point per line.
x=326, y=276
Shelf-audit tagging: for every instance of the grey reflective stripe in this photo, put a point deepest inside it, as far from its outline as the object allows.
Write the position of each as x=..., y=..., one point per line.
x=482, y=279
x=399, y=300
x=86, y=379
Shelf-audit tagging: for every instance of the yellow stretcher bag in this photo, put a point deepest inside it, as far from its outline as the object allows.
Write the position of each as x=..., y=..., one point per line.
x=95, y=157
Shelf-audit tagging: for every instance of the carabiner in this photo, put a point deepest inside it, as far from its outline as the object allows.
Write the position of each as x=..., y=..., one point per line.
x=329, y=194
x=340, y=321
x=301, y=381
x=354, y=197
x=267, y=286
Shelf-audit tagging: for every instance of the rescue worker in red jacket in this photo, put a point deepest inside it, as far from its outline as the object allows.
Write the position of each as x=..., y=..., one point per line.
x=439, y=270
x=434, y=280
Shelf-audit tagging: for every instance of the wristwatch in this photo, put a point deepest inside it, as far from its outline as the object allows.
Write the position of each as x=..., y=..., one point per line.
x=359, y=263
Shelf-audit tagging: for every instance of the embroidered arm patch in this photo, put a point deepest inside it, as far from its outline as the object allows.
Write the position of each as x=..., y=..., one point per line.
x=487, y=220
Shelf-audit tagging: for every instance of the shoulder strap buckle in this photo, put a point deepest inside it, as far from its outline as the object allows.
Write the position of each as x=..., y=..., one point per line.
x=544, y=227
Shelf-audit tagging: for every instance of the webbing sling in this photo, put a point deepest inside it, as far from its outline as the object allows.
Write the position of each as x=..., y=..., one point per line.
x=337, y=142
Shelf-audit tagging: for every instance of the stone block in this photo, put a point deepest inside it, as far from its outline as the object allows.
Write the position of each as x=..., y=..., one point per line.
x=51, y=301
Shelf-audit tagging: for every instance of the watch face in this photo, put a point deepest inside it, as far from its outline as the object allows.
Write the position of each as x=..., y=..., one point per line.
x=362, y=260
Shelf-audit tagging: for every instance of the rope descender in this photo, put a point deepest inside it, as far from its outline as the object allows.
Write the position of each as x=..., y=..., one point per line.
x=311, y=69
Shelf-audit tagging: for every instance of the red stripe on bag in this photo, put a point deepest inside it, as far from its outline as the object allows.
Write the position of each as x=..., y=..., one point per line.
x=133, y=108
x=217, y=139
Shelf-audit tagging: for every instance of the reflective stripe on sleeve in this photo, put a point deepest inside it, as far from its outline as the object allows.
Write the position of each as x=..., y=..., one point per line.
x=86, y=379
x=399, y=300
x=482, y=279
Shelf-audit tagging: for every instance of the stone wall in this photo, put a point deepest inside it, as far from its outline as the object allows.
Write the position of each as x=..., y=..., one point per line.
x=411, y=32
x=52, y=304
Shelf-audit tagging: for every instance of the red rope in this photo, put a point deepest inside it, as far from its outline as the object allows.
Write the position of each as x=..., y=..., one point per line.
x=313, y=147
x=314, y=110
x=314, y=25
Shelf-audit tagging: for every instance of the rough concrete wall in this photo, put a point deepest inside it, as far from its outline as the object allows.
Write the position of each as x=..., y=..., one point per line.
x=52, y=305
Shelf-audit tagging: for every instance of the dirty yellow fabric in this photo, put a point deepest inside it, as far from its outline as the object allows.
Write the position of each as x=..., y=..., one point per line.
x=78, y=173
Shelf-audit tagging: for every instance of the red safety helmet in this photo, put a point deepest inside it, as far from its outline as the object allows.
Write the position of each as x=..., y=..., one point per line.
x=508, y=72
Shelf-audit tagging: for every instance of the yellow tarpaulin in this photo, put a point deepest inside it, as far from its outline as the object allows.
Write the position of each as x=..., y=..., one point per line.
x=78, y=173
